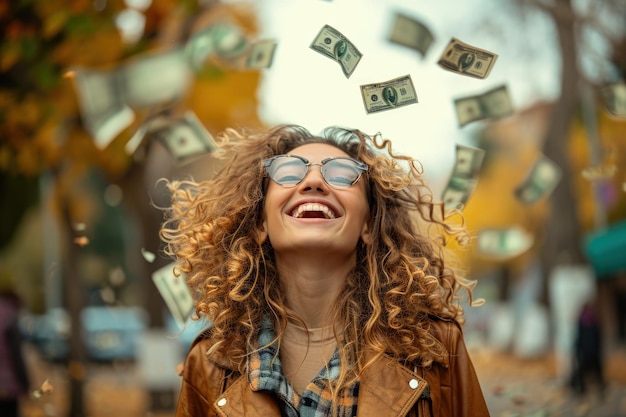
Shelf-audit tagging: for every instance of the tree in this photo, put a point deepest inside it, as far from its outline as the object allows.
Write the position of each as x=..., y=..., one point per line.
x=43, y=131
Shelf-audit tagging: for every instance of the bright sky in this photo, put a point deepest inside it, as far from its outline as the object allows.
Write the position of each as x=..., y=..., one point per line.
x=307, y=88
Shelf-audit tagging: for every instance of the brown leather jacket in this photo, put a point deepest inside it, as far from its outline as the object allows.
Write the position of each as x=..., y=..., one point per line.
x=213, y=387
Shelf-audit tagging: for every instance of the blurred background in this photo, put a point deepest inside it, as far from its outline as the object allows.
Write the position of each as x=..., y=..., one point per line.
x=99, y=99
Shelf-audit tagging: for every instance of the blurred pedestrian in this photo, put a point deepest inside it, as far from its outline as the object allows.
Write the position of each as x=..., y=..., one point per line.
x=588, y=353
x=14, y=381
x=319, y=261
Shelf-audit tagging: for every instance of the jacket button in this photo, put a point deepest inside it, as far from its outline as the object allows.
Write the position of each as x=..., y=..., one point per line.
x=413, y=383
x=221, y=402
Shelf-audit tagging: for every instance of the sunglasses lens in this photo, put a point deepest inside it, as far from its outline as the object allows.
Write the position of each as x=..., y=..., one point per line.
x=287, y=171
x=341, y=172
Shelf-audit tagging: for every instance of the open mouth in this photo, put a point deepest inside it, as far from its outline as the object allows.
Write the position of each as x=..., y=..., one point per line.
x=313, y=211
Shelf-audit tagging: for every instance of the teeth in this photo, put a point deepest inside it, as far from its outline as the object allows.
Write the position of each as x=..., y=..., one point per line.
x=297, y=213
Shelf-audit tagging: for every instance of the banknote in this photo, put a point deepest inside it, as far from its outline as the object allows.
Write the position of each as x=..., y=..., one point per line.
x=261, y=54
x=103, y=110
x=155, y=79
x=466, y=59
x=615, y=99
x=541, y=181
x=175, y=293
x=492, y=104
x=185, y=136
x=390, y=94
x=504, y=243
x=411, y=33
x=464, y=177
x=331, y=43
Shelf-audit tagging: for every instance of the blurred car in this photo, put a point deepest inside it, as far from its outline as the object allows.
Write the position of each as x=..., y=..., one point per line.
x=109, y=333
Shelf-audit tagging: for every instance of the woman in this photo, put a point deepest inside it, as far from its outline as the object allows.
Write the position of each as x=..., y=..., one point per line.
x=319, y=262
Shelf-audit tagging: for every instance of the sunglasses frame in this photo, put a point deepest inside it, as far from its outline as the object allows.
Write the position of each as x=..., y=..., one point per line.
x=360, y=166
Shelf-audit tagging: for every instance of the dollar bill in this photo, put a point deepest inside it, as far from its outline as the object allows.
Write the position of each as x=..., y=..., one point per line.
x=103, y=110
x=411, y=33
x=175, y=293
x=504, y=243
x=261, y=54
x=155, y=79
x=492, y=104
x=464, y=177
x=184, y=137
x=541, y=181
x=465, y=59
x=615, y=99
x=388, y=95
x=331, y=43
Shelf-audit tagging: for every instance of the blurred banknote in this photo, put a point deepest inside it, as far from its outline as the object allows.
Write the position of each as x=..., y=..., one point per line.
x=102, y=107
x=504, y=243
x=615, y=99
x=157, y=79
x=388, y=94
x=175, y=293
x=331, y=43
x=260, y=54
x=541, y=181
x=492, y=104
x=184, y=137
x=223, y=38
x=464, y=177
x=466, y=59
x=411, y=33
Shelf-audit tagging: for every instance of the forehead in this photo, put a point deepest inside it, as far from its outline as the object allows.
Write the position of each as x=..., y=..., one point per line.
x=316, y=152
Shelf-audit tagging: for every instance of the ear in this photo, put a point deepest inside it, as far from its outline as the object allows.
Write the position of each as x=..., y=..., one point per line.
x=365, y=234
x=261, y=233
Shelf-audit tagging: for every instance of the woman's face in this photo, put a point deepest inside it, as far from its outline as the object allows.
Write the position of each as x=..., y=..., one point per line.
x=312, y=216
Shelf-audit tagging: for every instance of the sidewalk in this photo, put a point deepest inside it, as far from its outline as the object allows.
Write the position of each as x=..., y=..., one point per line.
x=516, y=387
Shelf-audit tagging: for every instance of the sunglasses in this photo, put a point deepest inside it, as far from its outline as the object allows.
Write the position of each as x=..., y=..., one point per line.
x=290, y=170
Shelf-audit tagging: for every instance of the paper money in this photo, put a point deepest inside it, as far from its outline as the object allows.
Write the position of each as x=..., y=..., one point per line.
x=541, y=181
x=175, y=293
x=464, y=177
x=492, y=104
x=102, y=107
x=410, y=33
x=261, y=54
x=465, y=59
x=228, y=40
x=615, y=99
x=186, y=137
x=504, y=243
x=388, y=94
x=155, y=79
x=331, y=43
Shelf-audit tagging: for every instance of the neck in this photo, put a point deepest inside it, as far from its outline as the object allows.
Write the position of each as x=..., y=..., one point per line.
x=312, y=284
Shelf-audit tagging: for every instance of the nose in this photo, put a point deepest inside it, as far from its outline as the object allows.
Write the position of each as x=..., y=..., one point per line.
x=313, y=180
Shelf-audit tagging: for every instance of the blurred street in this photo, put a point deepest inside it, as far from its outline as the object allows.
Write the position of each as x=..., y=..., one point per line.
x=512, y=386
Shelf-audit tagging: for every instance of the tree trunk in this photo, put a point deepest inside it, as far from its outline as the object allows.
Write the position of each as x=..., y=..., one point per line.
x=74, y=300
x=562, y=242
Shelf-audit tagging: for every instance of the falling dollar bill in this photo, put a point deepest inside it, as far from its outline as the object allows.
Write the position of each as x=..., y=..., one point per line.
x=101, y=103
x=331, y=43
x=492, y=104
x=388, y=94
x=155, y=79
x=615, y=99
x=465, y=59
x=541, y=181
x=410, y=33
x=261, y=54
x=464, y=177
x=504, y=243
x=175, y=293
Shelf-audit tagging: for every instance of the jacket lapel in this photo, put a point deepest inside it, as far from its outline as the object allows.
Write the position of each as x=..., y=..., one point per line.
x=388, y=389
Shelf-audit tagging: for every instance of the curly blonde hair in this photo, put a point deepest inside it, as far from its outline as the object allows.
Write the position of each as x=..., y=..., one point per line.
x=400, y=280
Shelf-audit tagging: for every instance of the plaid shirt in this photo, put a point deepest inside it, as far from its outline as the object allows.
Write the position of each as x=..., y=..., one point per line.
x=265, y=373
